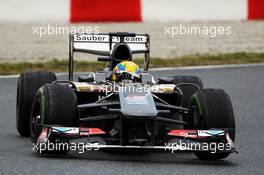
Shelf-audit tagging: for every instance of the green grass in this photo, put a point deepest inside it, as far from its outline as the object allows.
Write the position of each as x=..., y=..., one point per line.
x=189, y=60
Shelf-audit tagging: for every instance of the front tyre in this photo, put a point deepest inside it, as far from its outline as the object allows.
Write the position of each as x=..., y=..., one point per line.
x=27, y=85
x=212, y=108
x=187, y=90
x=53, y=105
x=190, y=85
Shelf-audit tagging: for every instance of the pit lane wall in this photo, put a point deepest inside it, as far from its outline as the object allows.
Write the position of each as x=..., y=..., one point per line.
x=74, y=11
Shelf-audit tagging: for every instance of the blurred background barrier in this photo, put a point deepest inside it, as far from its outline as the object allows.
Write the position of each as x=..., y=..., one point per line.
x=62, y=11
x=37, y=30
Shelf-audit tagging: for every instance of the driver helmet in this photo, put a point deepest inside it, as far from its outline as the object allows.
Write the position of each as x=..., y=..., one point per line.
x=126, y=70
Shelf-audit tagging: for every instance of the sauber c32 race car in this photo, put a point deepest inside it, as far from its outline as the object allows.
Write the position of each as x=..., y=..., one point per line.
x=123, y=107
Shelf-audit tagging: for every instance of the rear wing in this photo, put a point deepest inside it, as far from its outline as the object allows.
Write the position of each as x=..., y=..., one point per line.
x=102, y=44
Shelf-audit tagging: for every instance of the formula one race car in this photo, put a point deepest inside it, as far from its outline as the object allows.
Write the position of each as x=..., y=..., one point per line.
x=121, y=106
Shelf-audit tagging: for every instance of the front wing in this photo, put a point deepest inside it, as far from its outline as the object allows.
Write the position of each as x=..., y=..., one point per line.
x=213, y=140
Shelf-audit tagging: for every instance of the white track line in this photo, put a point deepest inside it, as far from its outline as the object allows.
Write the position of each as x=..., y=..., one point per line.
x=8, y=76
x=169, y=68
x=207, y=67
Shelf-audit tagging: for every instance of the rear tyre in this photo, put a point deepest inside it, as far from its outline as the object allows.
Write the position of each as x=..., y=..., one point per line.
x=54, y=105
x=27, y=85
x=213, y=109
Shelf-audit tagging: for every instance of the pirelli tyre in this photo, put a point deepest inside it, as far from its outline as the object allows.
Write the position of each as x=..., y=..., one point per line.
x=56, y=105
x=27, y=85
x=212, y=108
x=187, y=90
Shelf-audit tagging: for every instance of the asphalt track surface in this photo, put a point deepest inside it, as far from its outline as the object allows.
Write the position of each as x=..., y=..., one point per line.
x=245, y=86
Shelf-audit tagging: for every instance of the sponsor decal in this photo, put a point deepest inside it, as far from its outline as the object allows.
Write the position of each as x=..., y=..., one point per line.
x=84, y=87
x=65, y=130
x=183, y=133
x=163, y=88
x=106, y=38
x=91, y=131
x=136, y=99
x=210, y=133
x=196, y=133
x=95, y=38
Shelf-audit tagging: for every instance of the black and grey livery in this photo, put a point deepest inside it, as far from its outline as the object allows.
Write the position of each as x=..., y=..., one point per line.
x=115, y=115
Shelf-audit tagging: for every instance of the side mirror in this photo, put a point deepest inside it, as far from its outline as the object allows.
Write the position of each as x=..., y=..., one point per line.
x=103, y=59
x=165, y=80
x=85, y=78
